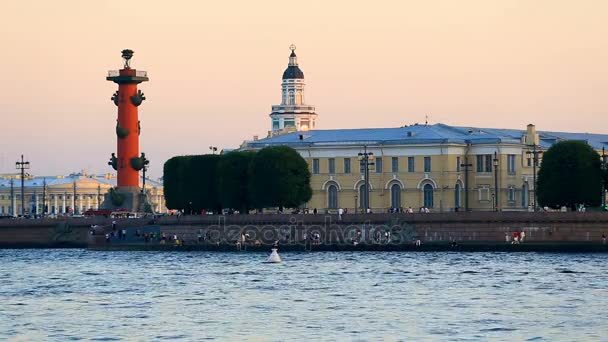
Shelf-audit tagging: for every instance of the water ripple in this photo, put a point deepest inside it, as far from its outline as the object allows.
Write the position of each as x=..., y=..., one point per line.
x=110, y=296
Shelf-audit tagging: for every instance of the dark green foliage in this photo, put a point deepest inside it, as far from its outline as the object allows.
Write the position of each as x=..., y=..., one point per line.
x=233, y=173
x=201, y=183
x=570, y=174
x=190, y=183
x=279, y=177
x=273, y=177
x=173, y=183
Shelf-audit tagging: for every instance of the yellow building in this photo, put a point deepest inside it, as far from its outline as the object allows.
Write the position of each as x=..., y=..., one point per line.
x=72, y=194
x=439, y=167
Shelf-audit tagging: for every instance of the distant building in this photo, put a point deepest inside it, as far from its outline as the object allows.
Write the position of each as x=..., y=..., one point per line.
x=72, y=194
x=429, y=166
x=293, y=114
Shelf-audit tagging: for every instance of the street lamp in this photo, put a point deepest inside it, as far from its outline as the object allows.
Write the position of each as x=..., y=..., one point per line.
x=43, y=197
x=22, y=165
x=366, y=159
x=603, y=166
x=466, y=166
x=213, y=149
x=534, y=153
x=495, y=161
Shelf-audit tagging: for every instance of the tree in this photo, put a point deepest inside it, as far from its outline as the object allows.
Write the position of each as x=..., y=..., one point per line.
x=202, y=180
x=570, y=174
x=279, y=177
x=173, y=185
x=190, y=183
x=233, y=184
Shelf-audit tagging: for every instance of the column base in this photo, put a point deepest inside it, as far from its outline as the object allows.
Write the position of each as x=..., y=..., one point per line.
x=126, y=198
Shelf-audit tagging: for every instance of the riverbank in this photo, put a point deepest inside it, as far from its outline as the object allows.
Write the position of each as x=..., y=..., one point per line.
x=479, y=231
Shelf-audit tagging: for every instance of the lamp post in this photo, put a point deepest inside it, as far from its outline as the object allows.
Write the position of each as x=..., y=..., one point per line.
x=144, y=169
x=366, y=159
x=22, y=165
x=74, y=199
x=603, y=166
x=466, y=166
x=98, y=196
x=213, y=149
x=495, y=161
x=534, y=153
x=43, y=197
x=12, y=198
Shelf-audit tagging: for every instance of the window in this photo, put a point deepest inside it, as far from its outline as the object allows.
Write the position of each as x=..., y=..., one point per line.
x=529, y=162
x=427, y=164
x=362, y=196
x=275, y=123
x=458, y=162
x=396, y=196
x=457, y=195
x=511, y=193
x=395, y=164
x=346, y=165
x=428, y=195
x=379, y=165
x=332, y=165
x=2, y=209
x=410, y=164
x=291, y=99
x=332, y=197
x=511, y=163
x=484, y=192
x=484, y=163
x=525, y=195
x=289, y=123
x=315, y=166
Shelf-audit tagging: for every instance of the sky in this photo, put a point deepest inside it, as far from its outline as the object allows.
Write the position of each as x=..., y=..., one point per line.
x=215, y=69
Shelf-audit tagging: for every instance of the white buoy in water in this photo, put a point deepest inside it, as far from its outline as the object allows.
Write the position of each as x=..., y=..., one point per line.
x=274, y=257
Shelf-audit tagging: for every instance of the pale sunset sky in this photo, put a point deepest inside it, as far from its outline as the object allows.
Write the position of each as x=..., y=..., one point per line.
x=215, y=70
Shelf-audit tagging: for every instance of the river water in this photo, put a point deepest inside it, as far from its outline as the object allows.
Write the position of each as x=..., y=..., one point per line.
x=78, y=294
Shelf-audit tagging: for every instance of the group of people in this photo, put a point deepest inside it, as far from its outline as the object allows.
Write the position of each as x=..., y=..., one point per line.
x=518, y=237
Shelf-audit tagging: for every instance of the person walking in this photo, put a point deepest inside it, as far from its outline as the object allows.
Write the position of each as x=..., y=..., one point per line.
x=603, y=238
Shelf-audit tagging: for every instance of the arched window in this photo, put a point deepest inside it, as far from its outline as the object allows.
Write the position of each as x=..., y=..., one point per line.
x=428, y=195
x=362, y=197
x=395, y=196
x=332, y=197
x=457, y=193
x=525, y=195
x=291, y=99
x=298, y=98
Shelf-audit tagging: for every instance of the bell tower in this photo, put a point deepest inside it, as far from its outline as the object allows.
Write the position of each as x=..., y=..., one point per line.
x=293, y=114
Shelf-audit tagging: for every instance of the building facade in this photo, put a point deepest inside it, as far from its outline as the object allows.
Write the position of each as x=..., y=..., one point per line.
x=440, y=167
x=293, y=114
x=65, y=195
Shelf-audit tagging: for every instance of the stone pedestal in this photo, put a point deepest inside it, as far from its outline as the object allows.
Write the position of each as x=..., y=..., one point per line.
x=128, y=198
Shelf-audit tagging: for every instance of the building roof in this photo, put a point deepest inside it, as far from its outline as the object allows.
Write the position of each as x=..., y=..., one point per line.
x=38, y=181
x=423, y=134
x=293, y=71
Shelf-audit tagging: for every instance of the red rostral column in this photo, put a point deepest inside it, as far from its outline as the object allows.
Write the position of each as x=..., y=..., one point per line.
x=127, y=161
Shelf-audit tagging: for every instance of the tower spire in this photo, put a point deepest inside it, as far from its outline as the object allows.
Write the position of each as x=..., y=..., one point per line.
x=292, y=114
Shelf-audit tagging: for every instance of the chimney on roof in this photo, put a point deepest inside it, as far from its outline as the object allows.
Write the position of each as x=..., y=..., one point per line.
x=255, y=138
x=531, y=135
x=301, y=136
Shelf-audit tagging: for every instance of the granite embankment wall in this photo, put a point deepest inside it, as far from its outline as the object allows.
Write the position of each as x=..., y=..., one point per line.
x=472, y=231
x=483, y=230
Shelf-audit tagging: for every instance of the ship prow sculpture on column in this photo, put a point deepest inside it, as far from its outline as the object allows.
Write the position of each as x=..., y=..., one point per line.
x=127, y=160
